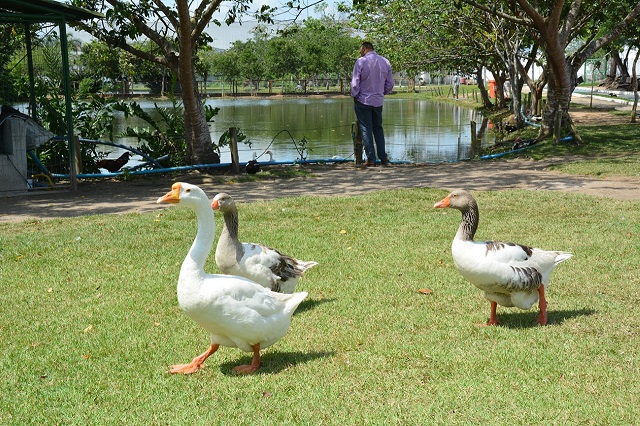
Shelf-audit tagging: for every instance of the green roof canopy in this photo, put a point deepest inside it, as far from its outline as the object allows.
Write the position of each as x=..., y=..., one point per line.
x=42, y=11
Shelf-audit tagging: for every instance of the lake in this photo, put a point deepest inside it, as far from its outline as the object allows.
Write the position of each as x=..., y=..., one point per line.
x=420, y=131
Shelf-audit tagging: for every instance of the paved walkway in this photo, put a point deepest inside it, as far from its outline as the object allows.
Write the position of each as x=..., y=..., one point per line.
x=333, y=180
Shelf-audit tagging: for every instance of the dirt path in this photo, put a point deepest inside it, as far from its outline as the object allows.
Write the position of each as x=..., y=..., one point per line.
x=326, y=180
x=332, y=180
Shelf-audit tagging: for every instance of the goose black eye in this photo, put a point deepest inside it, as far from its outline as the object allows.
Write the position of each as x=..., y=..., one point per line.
x=187, y=191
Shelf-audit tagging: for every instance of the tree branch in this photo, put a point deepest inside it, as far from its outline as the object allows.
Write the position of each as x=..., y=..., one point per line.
x=167, y=12
x=570, y=20
x=603, y=41
x=143, y=28
x=203, y=20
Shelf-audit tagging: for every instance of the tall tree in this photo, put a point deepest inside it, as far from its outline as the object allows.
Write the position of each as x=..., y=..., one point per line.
x=284, y=57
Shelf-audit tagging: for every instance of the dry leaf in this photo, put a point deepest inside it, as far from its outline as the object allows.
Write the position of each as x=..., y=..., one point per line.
x=343, y=231
x=88, y=329
x=425, y=291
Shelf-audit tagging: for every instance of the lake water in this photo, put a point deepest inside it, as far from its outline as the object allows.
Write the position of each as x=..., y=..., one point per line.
x=420, y=131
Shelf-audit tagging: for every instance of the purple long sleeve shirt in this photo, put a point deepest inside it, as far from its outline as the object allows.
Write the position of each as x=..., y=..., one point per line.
x=372, y=79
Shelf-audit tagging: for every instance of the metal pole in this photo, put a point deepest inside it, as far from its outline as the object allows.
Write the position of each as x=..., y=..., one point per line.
x=73, y=172
x=33, y=111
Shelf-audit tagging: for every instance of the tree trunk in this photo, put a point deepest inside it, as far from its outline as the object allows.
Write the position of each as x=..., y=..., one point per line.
x=536, y=93
x=486, y=102
x=555, y=117
x=197, y=136
x=517, y=81
x=500, y=79
x=617, y=64
x=559, y=90
x=634, y=87
x=612, y=69
x=516, y=101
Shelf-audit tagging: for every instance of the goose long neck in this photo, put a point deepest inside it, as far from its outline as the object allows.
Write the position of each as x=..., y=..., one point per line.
x=469, y=223
x=229, y=250
x=203, y=242
x=231, y=223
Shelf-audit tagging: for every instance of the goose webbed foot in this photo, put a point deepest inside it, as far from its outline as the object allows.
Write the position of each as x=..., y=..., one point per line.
x=255, y=363
x=195, y=364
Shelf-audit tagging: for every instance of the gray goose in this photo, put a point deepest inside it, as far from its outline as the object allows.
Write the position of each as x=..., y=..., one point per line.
x=264, y=265
x=509, y=274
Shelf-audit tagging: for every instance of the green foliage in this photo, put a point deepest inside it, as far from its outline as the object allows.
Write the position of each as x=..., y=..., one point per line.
x=318, y=48
x=11, y=39
x=225, y=139
x=164, y=134
x=100, y=59
x=90, y=320
x=93, y=119
x=422, y=36
x=303, y=148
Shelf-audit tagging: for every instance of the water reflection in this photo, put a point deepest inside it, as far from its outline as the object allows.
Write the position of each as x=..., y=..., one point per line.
x=416, y=130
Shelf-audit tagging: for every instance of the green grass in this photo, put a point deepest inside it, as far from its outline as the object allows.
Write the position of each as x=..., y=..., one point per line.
x=90, y=322
x=602, y=167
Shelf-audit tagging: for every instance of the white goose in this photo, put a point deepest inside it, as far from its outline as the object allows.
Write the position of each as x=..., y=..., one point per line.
x=264, y=265
x=235, y=311
x=509, y=274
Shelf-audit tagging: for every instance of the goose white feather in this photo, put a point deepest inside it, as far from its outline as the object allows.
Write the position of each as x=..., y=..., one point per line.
x=236, y=311
x=509, y=274
x=264, y=265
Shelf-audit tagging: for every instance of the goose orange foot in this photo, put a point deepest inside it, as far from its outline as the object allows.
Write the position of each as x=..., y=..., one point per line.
x=195, y=364
x=542, y=304
x=493, y=319
x=255, y=363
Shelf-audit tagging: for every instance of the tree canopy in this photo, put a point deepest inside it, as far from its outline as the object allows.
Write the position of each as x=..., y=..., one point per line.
x=503, y=36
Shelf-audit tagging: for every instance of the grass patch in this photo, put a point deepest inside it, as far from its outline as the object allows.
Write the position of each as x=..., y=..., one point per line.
x=605, y=140
x=90, y=322
x=602, y=167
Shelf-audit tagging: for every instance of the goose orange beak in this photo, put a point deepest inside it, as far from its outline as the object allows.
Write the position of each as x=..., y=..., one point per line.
x=171, y=197
x=215, y=205
x=442, y=204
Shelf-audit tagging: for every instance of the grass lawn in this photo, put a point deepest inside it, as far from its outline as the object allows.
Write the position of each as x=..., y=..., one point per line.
x=628, y=165
x=90, y=322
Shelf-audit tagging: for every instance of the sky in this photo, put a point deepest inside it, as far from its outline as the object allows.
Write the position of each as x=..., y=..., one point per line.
x=224, y=35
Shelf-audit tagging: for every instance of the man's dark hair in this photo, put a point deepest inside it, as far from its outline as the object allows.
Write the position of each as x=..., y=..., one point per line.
x=367, y=45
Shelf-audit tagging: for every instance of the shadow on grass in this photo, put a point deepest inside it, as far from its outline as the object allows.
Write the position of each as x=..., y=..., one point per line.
x=275, y=362
x=529, y=319
x=309, y=304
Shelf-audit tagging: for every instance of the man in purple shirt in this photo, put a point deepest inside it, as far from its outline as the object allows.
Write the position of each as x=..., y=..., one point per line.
x=372, y=79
